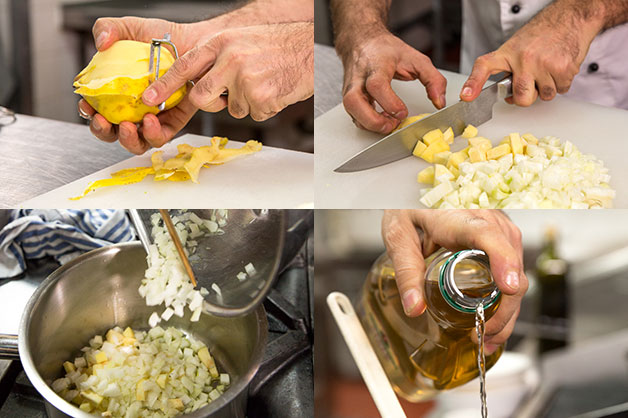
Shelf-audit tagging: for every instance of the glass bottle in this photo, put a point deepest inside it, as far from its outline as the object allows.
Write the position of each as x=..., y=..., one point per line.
x=551, y=273
x=434, y=351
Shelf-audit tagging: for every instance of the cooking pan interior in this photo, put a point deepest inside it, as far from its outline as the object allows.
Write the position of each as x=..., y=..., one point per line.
x=100, y=290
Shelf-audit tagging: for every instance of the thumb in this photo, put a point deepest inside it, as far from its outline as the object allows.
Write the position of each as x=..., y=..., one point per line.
x=192, y=65
x=483, y=68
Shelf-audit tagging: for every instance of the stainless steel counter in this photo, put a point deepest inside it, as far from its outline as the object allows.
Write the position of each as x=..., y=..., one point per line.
x=38, y=155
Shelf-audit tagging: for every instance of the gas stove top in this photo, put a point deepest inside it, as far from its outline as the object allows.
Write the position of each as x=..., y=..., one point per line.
x=284, y=385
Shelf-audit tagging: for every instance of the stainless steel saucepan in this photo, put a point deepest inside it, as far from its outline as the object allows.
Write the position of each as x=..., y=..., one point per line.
x=98, y=291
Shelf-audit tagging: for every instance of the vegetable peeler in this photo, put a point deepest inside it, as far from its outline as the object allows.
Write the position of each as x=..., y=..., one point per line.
x=153, y=64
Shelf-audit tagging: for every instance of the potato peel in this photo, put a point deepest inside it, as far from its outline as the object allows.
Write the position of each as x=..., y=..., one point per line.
x=186, y=165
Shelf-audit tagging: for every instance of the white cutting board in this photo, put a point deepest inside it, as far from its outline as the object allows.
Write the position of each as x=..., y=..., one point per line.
x=271, y=178
x=594, y=129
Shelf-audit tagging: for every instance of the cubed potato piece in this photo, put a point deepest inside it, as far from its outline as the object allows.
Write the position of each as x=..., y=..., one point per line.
x=530, y=139
x=433, y=136
x=128, y=332
x=476, y=155
x=516, y=145
x=442, y=157
x=448, y=136
x=175, y=403
x=69, y=367
x=410, y=120
x=441, y=173
x=93, y=397
x=206, y=358
x=453, y=170
x=419, y=148
x=426, y=175
x=456, y=158
x=435, y=147
x=470, y=131
x=140, y=393
x=498, y=151
x=481, y=143
x=100, y=357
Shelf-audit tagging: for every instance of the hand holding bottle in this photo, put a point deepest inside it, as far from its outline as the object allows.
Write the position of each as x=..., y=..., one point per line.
x=411, y=235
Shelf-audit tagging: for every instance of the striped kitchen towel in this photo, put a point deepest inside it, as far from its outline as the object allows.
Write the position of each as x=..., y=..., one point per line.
x=61, y=233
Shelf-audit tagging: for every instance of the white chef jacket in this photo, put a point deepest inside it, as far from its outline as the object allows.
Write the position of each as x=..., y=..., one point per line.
x=603, y=76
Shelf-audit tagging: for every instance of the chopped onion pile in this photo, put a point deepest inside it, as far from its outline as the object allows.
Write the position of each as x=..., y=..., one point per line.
x=159, y=373
x=166, y=280
x=523, y=172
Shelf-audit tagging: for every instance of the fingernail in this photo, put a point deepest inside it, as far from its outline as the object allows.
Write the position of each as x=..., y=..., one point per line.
x=100, y=40
x=150, y=95
x=410, y=299
x=490, y=348
x=442, y=100
x=512, y=280
x=97, y=127
x=466, y=91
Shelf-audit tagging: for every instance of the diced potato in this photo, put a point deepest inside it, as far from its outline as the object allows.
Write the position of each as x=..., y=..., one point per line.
x=516, y=146
x=441, y=173
x=93, y=397
x=530, y=139
x=470, y=131
x=453, y=170
x=456, y=158
x=176, y=404
x=476, y=155
x=161, y=380
x=448, y=136
x=498, y=151
x=206, y=358
x=140, y=393
x=86, y=406
x=426, y=175
x=433, y=136
x=442, y=157
x=481, y=143
x=69, y=367
x=419, y=148
x=410, y=120
x=435, y=147
x=114, y=337
x=100, y=357
x=128, y=332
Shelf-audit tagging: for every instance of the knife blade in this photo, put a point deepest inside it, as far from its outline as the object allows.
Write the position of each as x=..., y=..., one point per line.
x=400, y=144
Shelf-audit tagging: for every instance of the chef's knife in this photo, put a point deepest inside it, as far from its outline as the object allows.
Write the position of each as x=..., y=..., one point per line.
x=400, y=144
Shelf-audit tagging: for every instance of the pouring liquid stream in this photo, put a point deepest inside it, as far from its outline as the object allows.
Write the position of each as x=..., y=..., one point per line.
x=479, y=329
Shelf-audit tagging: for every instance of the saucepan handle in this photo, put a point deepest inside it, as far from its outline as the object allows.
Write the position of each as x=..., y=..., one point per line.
x=8, y=347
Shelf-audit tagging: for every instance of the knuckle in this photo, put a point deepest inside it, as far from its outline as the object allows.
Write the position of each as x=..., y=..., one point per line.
x=200, y=94
x=375, y=83
x=236, y=110
x=547, y=92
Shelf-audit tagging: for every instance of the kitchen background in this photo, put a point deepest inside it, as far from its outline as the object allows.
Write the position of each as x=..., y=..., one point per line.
x=45, y=43
x=564, y=368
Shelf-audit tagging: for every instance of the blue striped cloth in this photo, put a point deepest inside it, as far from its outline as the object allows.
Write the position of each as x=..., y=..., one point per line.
x=61, y=233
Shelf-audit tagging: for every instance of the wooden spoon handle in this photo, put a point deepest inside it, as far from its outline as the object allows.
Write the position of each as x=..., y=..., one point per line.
x=177, y=243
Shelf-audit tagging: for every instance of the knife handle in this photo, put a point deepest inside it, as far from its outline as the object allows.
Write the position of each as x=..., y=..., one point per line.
x=504, y=87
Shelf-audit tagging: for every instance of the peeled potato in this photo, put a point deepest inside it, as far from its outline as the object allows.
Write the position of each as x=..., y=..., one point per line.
x=114, y=80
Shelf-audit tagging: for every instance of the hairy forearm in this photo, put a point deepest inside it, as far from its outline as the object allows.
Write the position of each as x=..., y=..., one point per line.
x=356, y=20
x=261, y=12
x=593, y=16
